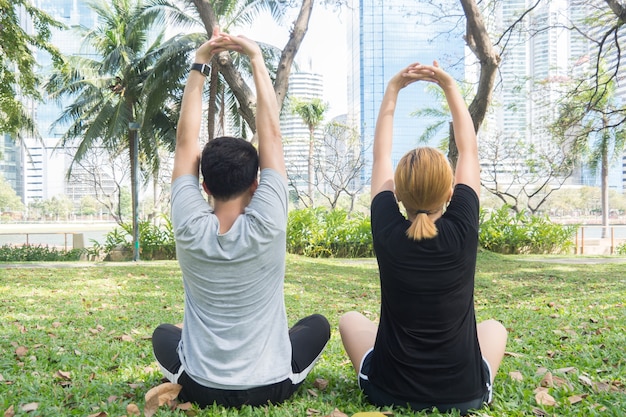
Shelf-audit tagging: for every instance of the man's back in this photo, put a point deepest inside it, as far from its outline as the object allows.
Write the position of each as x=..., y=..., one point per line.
x=234, y=306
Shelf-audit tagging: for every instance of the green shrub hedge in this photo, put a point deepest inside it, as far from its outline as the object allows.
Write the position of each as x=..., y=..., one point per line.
x=155, y=241
x=507, y=232
x=323, y=233
x=42, y=253
x=320, y=232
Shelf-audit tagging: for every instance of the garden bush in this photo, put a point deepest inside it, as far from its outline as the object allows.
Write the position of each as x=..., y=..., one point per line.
x=42, y=253
x=155, y=241
x=507, y=232
x=323, y=233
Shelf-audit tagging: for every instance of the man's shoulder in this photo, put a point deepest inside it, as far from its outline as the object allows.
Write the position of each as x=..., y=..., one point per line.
x=186, y=183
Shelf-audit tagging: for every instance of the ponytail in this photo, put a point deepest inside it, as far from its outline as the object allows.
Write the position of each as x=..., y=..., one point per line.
x=422, y=227
x=423, y=182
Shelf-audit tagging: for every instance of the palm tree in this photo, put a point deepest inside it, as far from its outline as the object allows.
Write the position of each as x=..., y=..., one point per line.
x=241, y=91
x=223, y=106
x=119, y=90
x=312, y=114
x=18, y=78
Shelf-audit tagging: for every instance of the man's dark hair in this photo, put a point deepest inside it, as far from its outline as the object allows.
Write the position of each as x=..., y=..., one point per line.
x=229, y=166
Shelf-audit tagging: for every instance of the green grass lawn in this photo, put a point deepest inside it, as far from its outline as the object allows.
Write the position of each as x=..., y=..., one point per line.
x=75, y=341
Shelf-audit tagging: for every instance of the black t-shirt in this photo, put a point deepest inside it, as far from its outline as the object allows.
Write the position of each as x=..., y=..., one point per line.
x=426, y=348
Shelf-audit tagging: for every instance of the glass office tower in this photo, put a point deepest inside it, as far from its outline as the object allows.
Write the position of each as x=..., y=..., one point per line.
x=386, y=36
x=34, y=167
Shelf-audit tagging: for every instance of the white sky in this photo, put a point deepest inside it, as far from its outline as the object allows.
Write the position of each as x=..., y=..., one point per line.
x=323, y=51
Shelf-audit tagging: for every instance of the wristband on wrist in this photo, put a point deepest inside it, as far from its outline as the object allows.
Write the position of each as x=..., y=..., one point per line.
x=205, y=69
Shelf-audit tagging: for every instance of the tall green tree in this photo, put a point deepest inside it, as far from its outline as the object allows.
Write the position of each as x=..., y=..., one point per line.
x=234, y=78
x=122, y=91
x=18, y=67
x=223, y=107
x=591, y=123
x=312, y=114
x=9, y=200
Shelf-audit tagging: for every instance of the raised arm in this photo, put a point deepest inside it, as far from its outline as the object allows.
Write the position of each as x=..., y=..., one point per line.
x=187, y=154
x=467, y=166
x=382, y=168
x=267, y=112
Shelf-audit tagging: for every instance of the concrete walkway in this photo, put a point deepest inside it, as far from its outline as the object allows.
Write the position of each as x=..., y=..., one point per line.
x=579, y=259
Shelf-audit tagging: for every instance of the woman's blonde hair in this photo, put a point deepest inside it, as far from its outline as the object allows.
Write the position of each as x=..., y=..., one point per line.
x=423, y=180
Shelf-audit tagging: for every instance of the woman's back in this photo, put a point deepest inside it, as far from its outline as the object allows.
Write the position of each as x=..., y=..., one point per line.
x=426, y=347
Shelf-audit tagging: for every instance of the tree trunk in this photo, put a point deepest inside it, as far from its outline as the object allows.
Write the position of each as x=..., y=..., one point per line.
x=477, y=39
x=604, y=173
x=155, y=198
x=453, y=151
x=213, y=84
x=134, y=187
x=310, y=166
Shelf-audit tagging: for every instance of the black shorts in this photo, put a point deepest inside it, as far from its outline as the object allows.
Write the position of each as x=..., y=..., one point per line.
x=308, y=338
x=378, y=397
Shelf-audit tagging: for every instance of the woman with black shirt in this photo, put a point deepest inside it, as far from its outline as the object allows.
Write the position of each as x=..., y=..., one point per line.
x=427, y=350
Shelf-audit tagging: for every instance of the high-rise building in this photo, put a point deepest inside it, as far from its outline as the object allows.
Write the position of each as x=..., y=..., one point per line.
x=541, y=53
x=303, y=86
x=386, y=36
x=34, y=166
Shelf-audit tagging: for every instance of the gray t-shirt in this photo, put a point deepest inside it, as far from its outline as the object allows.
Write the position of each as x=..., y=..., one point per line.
x=235, y=332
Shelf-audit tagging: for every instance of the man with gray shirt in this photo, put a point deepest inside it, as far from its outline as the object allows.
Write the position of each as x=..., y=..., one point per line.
x=235, y=347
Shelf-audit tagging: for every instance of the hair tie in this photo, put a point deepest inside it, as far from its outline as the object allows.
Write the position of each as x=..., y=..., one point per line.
x=422, y=211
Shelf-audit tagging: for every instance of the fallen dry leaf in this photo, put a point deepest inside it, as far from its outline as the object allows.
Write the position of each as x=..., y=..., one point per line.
x=543, y=398
x=546, y=381
x=601, y=386
x=560, y=382
x=565, y=370
x=585, y=380
x=311, y=392
x=133, y=410
x=336, y=413
x=21, y=351
x=63, y=375
x=538, y=412
x=10, y=412
x=27, y=408
x=184, y=406
x=320, y=383
x=160, y=395
x=513, y=354
x=516, y=376
x=312, y=412
x=99, y=414
x=541, y=371
x=573, y=399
